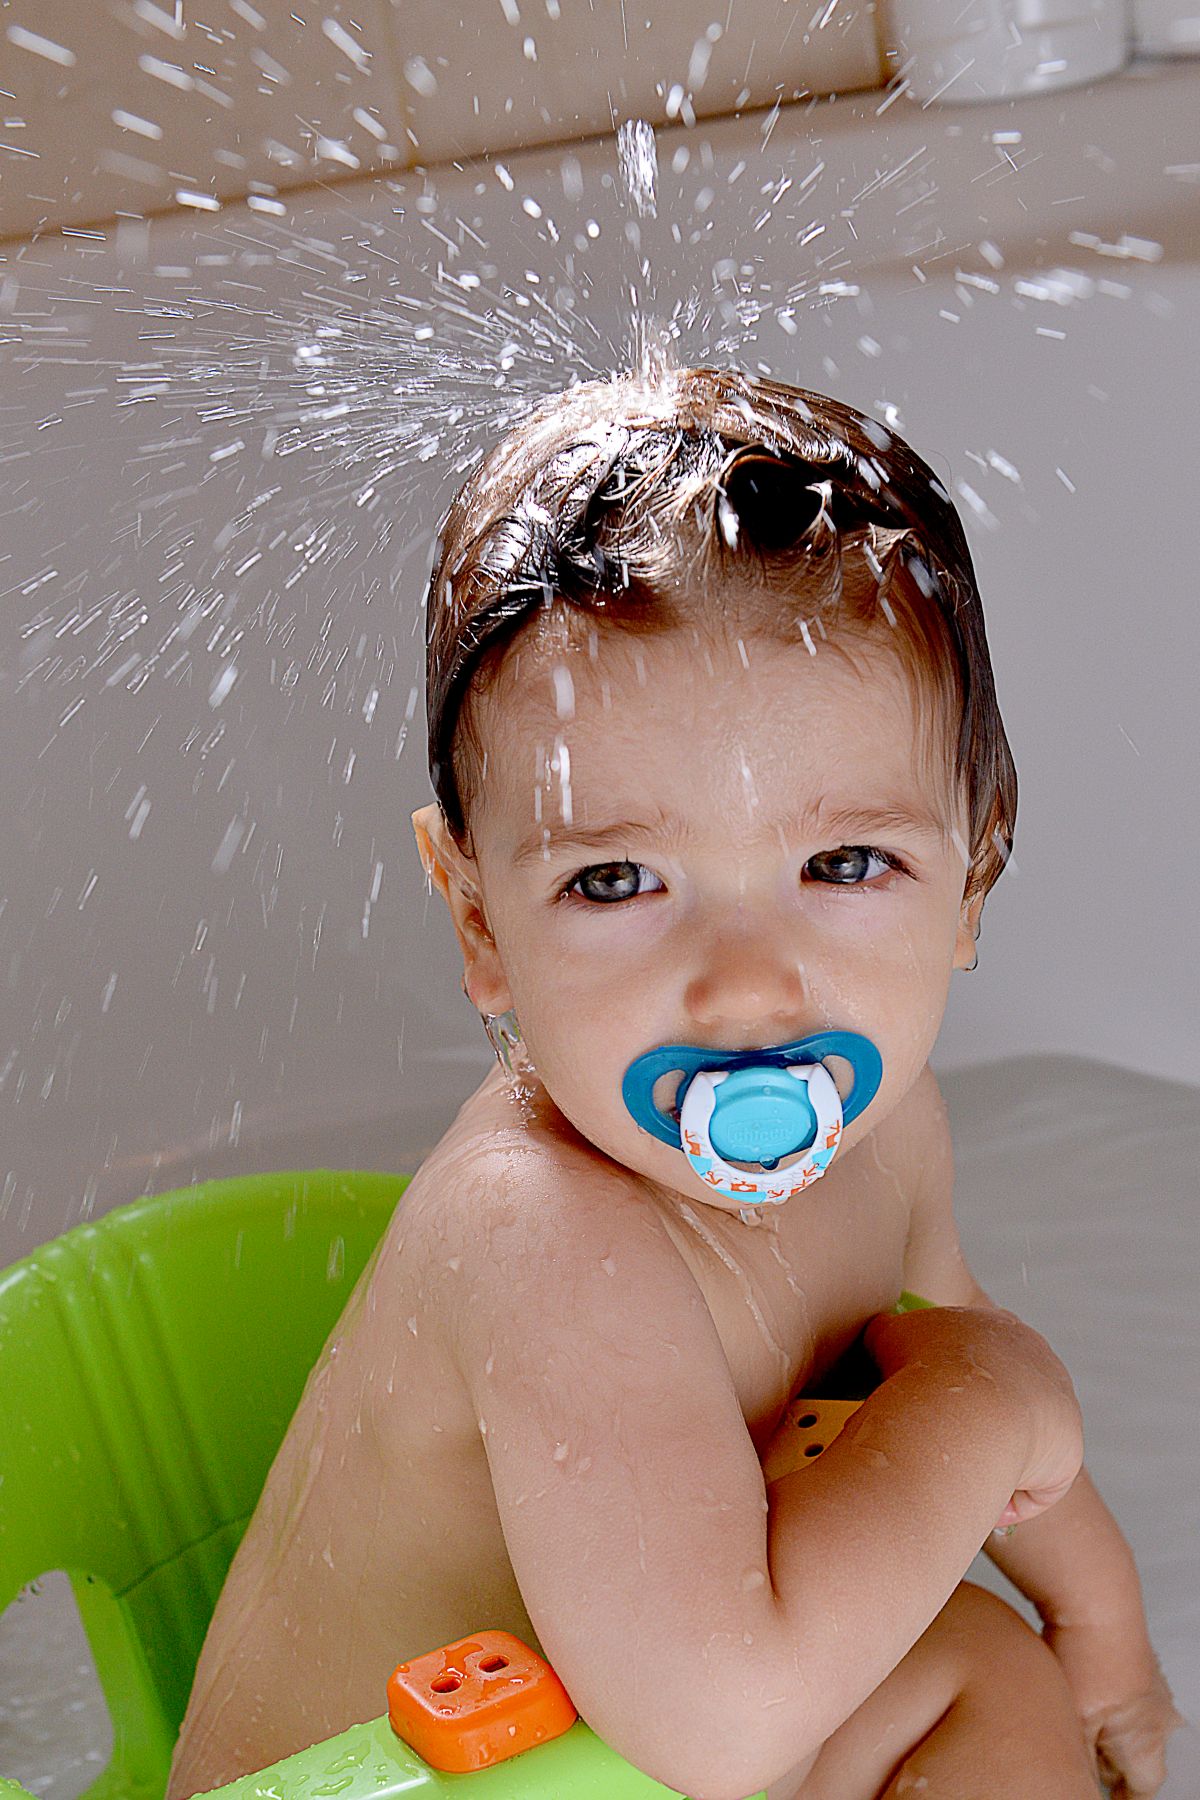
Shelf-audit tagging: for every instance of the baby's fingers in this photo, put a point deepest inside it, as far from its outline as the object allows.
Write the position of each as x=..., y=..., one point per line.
x=1121, y=1783
x=1026, y=1505
x=1131, y=1747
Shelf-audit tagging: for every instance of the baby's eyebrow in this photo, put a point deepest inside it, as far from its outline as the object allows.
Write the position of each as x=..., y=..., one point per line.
x=911, y=817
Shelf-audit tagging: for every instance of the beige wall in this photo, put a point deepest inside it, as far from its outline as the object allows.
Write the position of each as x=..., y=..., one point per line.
x=216, y=951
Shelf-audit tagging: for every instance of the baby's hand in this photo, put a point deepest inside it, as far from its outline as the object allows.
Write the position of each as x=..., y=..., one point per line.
x=1027, y=1503
x=994, y=1345
x=1124, y=1704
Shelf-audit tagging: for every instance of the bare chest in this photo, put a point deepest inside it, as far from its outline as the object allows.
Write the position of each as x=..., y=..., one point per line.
x=788, y=1288
x=789, y=1291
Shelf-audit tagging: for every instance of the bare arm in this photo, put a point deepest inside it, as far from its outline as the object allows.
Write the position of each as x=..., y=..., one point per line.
x=1072, y=1562
x=711, y=1636
x=867, y=1544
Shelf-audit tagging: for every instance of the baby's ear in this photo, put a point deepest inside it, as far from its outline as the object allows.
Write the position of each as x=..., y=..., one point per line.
x=452, y=871
x=968, y=931
x=441, y=858
x=429, y=828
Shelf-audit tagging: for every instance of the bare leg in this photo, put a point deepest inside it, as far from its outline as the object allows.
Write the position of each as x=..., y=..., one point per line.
x=979, y=1709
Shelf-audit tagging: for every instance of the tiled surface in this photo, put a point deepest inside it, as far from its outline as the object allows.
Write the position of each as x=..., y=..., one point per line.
x=115, y=108
x=500, y=76
x=121, y=106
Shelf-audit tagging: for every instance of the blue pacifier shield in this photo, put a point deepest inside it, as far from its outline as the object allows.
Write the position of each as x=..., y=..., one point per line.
x=755, y=1106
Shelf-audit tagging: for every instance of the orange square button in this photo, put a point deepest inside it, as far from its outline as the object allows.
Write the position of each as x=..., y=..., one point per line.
x=477, y=1701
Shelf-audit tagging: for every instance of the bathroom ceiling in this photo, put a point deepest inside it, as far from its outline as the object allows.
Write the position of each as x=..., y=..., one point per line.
x=134, y=107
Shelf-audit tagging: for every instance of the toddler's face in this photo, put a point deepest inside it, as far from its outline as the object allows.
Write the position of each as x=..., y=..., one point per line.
x=710, y=893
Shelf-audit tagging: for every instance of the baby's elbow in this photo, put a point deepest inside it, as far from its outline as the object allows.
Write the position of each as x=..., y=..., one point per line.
x=727, y=1771
x=730, y=1754
x=705, y=1774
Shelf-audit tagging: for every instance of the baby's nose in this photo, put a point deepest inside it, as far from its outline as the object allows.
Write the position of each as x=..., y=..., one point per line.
x=747, y=982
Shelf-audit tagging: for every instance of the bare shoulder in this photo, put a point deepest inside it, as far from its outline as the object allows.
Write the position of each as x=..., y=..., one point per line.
x=505, y=1205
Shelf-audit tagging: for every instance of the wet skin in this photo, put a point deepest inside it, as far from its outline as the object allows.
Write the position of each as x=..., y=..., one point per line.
x=377, y=1536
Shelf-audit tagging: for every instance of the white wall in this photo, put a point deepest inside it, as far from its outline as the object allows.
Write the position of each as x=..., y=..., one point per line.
x=249, y=974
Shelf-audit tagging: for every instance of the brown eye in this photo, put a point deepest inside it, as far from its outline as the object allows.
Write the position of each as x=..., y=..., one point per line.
x=849, y=866
x=606, y=883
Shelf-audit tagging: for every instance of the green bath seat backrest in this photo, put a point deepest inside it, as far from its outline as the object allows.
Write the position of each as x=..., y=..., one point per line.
x=149, y=1366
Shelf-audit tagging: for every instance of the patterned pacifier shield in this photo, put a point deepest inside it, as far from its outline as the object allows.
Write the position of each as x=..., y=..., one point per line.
x=755, y=1106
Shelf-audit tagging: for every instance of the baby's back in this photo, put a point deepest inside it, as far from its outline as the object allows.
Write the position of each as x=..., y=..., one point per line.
x=377, y=1536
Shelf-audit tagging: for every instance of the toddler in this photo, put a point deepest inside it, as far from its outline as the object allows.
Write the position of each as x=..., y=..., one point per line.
x=722, y=786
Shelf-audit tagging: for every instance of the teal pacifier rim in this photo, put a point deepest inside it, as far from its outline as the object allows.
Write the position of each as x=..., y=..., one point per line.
x=637, y=1087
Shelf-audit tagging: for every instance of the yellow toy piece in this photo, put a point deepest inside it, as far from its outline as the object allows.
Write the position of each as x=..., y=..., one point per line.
x=810, y=1424
x=807, y=1428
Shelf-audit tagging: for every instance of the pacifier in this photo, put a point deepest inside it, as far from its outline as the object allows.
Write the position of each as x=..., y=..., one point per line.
x=755, y=1106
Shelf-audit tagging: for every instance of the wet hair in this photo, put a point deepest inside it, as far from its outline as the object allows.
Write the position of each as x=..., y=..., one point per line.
x=644, y=506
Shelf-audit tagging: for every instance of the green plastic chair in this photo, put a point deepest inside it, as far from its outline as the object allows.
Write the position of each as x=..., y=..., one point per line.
x=149, y=1366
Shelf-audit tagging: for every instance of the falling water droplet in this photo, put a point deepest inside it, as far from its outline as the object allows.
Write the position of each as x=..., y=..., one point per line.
x=637, y=159
x=564, y=691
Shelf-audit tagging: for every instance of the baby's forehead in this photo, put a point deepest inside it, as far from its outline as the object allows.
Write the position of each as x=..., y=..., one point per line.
x=646, y=711
x=576, y=670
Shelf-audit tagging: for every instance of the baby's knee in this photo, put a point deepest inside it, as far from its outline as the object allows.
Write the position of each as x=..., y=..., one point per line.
x=973, y=1609
x=979, y=1663
x=995, y=1642
x=976, y=1655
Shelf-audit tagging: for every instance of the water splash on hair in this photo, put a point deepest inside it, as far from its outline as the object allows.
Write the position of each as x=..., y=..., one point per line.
x=298, y=402
x=655, y=357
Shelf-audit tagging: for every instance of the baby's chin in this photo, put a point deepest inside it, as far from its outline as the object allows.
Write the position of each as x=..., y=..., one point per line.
x=672, y=1182
x=686, y=1186
x=696, y=1196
